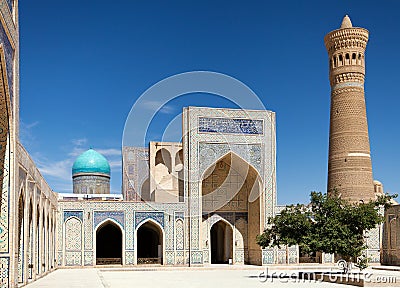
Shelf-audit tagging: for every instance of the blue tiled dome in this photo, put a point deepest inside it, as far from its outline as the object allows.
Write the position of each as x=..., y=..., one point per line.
x=91, y=162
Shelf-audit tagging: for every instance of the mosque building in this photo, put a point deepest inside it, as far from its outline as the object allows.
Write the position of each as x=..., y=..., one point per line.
x=194, y=203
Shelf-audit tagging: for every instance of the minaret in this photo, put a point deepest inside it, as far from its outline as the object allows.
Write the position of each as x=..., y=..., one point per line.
x=349, y=166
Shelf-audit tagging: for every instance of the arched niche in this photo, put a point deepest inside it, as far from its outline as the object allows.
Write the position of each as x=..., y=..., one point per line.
x=150, y=241
x=109, y=243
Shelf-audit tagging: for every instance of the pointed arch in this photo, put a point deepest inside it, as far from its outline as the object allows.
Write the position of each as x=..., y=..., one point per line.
x=149, y=242
x=20, y=239
x=109, y=243
x=229, y=184
x=232, y=186
x=235, y=156
x=221, y=242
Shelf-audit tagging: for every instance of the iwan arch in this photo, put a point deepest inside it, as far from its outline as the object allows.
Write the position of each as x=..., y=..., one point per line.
x=198, y=202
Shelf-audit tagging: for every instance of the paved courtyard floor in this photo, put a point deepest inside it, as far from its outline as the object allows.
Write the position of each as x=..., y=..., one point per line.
x=184, y=277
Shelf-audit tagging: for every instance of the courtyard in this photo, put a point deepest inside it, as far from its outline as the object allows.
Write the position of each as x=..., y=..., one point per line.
x=213, y=276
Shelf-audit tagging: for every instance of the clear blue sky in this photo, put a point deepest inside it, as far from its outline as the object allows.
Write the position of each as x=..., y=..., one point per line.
x=84, y=63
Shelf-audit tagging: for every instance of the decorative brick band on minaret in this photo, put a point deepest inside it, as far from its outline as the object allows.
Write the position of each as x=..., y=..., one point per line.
x=349, y=166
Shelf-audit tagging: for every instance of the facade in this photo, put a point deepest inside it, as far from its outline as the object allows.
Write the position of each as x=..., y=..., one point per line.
x=198, y=202
x=349, y=164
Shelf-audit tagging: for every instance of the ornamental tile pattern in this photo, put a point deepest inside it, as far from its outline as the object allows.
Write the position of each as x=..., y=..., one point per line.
x=73, y=234
x=129, y=230
x=88, y=258
x=100, y=216
x=156, y=216
x=229, y=125
x=77, y=214
x=129, y=257
x=4, y=212
x=179, y=258
x=170, y=257
x=4, y=271
x=179, y=234
x=268, y=256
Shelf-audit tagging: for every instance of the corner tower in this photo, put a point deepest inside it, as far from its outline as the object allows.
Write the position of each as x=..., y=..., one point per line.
x=349, y=165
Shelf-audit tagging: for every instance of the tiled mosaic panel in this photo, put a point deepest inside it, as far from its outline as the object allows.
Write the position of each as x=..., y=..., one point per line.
x=169, y=232
x=231, y=126
x=156, y=216
x=179, y=258
x=268, y=256
x=179, y=215
x=73, y=258
x=281, y=257
x=77, y=214
x=4, y=272
x=293, y=255
x=21, y=253
x=88, y=234
x=197, y=257
x=100, y=216
x=170, y=257
x=129, y=257
x=91, y=184
x=129, y=230
x=59, y=258
x=89, y=258
x=73, y=234
x=239, y=256
x=4, y=216
x=179, y=234
x=30, y=251
x=373, y=238
x=206, y=256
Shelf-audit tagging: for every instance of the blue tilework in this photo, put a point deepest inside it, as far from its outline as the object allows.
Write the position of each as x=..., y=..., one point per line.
x=77, y=214
x=117, y=216
x=156, y=216
x=230, y=126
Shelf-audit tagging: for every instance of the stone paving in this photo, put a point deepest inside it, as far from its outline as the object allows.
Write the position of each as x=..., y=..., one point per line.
x=180, y=277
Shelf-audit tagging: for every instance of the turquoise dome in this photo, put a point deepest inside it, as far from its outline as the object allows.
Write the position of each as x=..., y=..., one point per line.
x=91, y=162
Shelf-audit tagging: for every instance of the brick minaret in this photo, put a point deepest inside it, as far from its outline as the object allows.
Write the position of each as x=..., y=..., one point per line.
x=349, y=166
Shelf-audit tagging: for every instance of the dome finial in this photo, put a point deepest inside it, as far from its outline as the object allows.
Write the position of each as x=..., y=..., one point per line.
x=346, y=23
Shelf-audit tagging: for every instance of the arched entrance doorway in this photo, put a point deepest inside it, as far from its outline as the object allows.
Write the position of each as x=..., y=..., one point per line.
x=221, y=243
x=232, y=190
x=149, y=244
x=108, y=244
